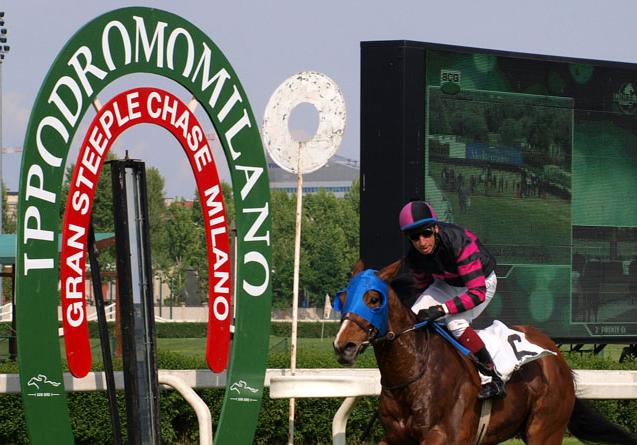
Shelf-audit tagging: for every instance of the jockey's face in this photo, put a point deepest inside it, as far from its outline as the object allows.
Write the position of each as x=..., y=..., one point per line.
x=424, y=240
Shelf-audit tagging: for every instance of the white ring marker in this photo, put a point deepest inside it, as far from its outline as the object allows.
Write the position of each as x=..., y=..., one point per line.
x=320, y=91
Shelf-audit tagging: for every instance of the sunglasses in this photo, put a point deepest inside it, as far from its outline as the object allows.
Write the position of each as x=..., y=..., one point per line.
x=416, y=234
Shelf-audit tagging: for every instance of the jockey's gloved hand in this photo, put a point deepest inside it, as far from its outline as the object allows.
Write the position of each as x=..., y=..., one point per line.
x=431, y=313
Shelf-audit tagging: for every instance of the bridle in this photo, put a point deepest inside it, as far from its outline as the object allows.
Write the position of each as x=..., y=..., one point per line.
x=390, y=336
x=371, y=331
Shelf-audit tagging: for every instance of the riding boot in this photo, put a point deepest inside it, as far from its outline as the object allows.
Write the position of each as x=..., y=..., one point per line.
x=495, y=388
x=471, y=340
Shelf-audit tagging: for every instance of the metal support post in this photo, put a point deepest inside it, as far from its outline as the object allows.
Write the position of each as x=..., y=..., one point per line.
x=136, y=305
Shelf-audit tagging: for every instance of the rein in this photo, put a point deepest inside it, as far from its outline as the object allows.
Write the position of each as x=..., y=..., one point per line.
x=391, y=335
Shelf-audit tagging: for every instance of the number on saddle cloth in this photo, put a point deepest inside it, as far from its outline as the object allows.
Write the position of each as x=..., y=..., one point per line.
x=510, y=349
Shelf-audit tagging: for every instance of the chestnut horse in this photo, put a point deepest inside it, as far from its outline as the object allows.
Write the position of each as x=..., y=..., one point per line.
x=430, y=391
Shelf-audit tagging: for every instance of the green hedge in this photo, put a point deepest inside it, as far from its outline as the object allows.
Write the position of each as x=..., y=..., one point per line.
x=305, y=329
x=91, y=422
x=198, y=330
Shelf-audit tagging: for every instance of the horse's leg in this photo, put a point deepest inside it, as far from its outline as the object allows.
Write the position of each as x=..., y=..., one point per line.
x=436, y=440
x=434, y=437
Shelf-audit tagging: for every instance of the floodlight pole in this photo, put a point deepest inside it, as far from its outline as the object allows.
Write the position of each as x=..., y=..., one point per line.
x=4, y=49
x=295, y=285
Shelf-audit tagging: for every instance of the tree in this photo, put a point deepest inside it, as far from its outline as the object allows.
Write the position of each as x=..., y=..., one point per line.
x=329, y=244
x=283, y=226
x=8, y=221
x=510, y=131
x=157, y=218
x=8, y=226
x=184, y=247
x=470, y=124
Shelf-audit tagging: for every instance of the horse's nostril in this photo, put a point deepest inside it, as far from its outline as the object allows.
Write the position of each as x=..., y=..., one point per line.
x=350, y=348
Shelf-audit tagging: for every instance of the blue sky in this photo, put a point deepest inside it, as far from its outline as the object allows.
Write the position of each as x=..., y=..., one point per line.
x=268, y=41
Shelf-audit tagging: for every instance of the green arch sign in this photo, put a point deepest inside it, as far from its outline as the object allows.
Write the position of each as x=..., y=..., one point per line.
x=121, y=42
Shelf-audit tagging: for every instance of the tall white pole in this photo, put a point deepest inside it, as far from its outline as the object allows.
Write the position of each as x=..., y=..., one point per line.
x=295, y=286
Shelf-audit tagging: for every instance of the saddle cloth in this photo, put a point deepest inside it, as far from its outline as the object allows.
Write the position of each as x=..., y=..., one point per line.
x=509, y=349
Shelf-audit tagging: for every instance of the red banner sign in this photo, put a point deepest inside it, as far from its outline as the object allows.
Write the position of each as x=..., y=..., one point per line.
x=133, y=107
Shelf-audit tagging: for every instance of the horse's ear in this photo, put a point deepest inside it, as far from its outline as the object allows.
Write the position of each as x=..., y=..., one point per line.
x=389, y=272
x=358, y=267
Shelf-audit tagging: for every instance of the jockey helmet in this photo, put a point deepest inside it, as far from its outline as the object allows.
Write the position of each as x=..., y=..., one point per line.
x=416, y=214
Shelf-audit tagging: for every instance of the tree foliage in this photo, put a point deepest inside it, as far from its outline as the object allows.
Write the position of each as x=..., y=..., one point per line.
x=183, y=249
x=8, y=220
x=329, y=244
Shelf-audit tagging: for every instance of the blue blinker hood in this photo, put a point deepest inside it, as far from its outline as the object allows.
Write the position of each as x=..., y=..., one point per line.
x=355, y=304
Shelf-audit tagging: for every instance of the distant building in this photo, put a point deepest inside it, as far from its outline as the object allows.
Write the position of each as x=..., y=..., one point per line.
x=12, y=204
x=335, y=177
x=178, y=201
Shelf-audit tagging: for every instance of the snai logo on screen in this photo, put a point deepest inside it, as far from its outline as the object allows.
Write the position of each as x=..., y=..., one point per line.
x=450, y=81
x=626, y=98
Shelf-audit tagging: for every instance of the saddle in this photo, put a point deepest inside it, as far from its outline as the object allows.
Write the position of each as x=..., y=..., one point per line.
x=510, y=349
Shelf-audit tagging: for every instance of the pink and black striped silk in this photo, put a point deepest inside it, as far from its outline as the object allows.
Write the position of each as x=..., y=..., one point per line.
x=461, y=260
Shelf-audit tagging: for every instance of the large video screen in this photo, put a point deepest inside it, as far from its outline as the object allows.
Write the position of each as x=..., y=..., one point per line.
x=538, y=158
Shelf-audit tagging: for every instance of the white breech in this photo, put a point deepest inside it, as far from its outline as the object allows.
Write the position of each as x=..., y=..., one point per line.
x=439, y=292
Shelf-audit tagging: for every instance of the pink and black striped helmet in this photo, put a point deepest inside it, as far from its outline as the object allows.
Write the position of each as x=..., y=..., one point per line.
x=416, y=214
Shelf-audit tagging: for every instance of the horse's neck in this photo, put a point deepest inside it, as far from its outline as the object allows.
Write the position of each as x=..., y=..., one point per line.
x=398, y=360
x=415, y=354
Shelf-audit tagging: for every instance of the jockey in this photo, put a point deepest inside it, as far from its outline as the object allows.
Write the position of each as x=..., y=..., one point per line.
x=457, y=274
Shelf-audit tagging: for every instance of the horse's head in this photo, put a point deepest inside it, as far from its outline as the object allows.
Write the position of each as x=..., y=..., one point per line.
x=364, y=306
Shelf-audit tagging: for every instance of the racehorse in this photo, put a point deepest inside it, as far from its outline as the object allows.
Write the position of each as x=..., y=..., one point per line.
x=430, y=391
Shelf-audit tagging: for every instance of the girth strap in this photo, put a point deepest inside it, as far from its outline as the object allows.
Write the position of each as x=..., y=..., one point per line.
x=485, y=417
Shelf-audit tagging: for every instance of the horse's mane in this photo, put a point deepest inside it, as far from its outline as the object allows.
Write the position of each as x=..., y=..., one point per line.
x=406, y=288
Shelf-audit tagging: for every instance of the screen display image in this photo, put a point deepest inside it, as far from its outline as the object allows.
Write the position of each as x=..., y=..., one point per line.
x=520, y=154
x=499, y=164
x=604, y=276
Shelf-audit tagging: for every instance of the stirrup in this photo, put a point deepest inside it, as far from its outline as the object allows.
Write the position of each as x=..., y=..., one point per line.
x=493, y=390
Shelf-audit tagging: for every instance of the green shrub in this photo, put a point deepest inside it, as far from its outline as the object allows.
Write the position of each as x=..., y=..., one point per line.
x=305, y=329
x=200, y=330
x=162, y=330
x=91, y=421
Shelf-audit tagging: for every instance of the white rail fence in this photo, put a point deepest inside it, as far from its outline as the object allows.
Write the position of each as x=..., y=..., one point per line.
x=350, y=384
x=355, y=383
